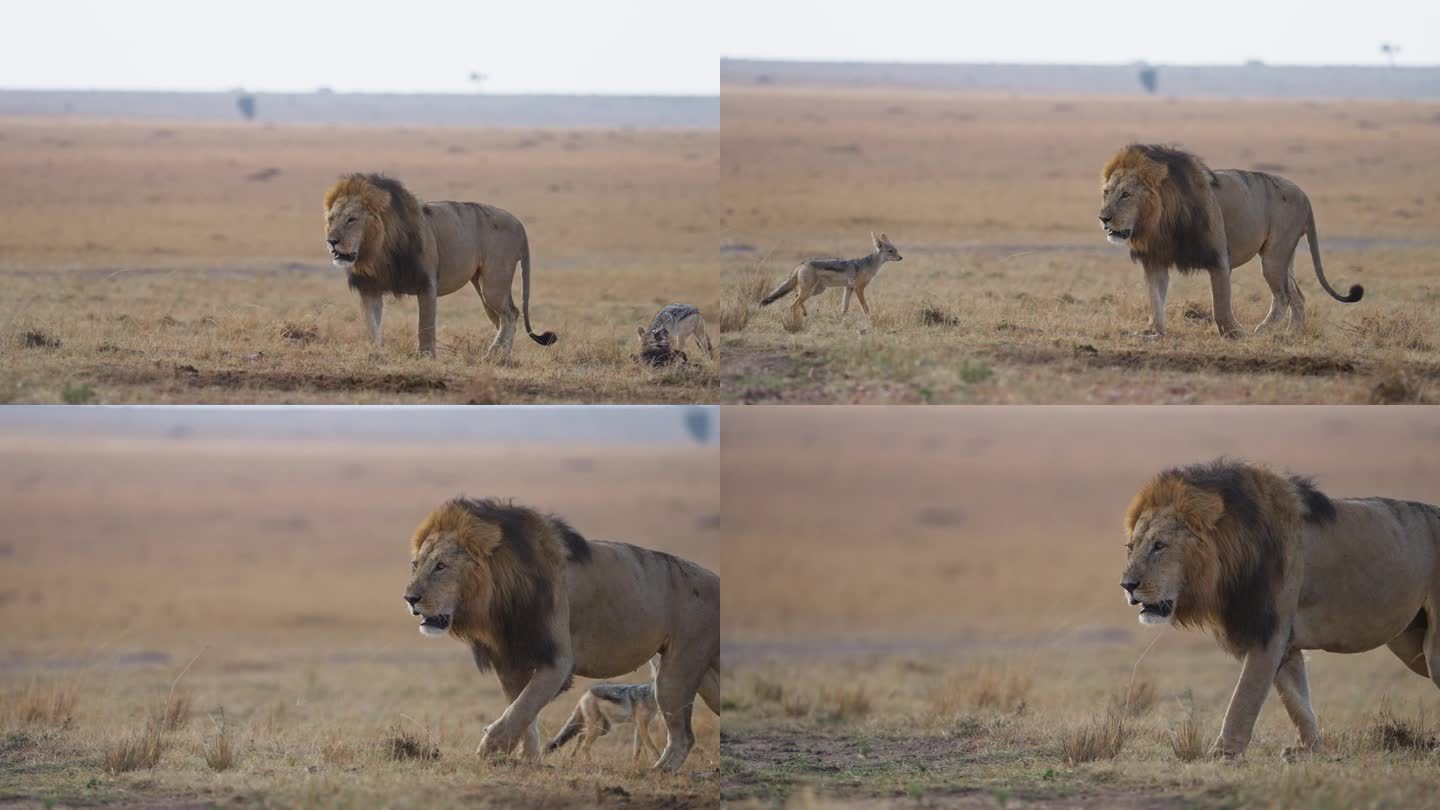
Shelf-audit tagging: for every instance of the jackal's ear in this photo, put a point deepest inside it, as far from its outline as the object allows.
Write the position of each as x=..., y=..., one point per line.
x=884, y=239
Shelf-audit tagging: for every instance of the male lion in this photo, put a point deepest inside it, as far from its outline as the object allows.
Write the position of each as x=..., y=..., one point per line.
x=1173, y=211
x=1273, y=567
x=539, y=603
x=389, y=243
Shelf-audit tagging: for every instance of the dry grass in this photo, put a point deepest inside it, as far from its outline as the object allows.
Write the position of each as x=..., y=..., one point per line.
x=316, y=684
x=220, y=751
x=49, y=703
x=1187, y=739
x=172, y=712
x=198, y=285
x=961, y=563
x=1005, y=268
x=136, y=750
x=1095, y=739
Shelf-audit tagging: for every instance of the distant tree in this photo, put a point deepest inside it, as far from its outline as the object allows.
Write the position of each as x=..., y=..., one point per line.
x=698, y=423
x=478, y=79
x=246, y=103
x=1149, y=78
x=1254, y=63
x=1390, y=50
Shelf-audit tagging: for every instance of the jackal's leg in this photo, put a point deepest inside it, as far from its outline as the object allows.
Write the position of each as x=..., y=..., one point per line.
x=845, y=301
x=860, y=294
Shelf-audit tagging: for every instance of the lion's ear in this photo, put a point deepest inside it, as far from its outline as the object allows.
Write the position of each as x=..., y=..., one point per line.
x=1153, y=173
x=1202, y=509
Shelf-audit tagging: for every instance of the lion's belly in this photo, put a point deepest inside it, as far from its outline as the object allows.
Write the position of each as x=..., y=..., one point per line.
x=1366, y=576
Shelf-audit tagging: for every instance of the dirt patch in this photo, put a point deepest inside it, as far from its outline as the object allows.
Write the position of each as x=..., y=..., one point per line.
x=864, y=770
x=1088, y=355
x=192, y=377
x=775, y=377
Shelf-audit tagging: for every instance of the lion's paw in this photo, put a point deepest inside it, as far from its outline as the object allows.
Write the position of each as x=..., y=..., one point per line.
x=497, y=741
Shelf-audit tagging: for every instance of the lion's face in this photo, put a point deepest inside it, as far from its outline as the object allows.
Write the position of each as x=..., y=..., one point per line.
x=437, y=583
x=1155, y=575
x=345, y=225
x=1124, y=199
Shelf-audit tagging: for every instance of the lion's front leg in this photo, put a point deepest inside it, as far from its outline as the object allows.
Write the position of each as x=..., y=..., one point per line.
x=427, y=323
x=520, y=720
x=372, y=308
x=1220, y=302
x=1294, y=690
x=513, y=683
x=1256, y=675
x=1157, y=281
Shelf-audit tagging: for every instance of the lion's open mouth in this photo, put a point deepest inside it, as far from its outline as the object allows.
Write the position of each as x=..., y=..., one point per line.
x=1156, y=612
x=1117, y=235
x=342, y=259
x=435, y=625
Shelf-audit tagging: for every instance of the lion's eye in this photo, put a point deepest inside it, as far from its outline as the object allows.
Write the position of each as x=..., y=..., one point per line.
x=439, y=566
x=1124, y=195
x=1159, y=546
x=350, y=221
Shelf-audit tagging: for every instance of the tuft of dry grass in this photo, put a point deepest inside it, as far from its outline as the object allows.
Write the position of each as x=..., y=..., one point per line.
x=1187, y=739
x=401, y=744
x=39, y=339
x=843, y=704
x=49, y=703
x=1094, y=739
x=336, y=750
x=1136, y=699
x=1389, y=731
x=220, y=750
x=134, y=751
x=1396, y=385
x=172, y=712
x=934, y=315
x=1000, y=688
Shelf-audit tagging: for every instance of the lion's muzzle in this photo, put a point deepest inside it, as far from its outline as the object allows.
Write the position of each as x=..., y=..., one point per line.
x=1156, y=612
x=436, y=625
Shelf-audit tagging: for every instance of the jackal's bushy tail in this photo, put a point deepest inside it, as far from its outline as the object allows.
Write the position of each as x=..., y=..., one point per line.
x=568, y=731
x=780, y=291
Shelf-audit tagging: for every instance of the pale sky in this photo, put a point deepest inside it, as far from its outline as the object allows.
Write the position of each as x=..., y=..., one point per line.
x=665, y=47
x=1083, y=32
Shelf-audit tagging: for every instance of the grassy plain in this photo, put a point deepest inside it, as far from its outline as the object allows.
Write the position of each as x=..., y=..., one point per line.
x=205, y=622
x=185, y=262
x=1008, y=292
x=929, y=615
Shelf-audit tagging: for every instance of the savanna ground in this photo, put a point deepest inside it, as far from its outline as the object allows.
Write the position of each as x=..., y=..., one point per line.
x=930, y=615
x=185, y=262
x=1008, y=292
x=230, y=611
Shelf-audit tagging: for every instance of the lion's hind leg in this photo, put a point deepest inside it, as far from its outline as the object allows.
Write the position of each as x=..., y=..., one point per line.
x=1285, y=297
x=1409, y=646
x=675, y=686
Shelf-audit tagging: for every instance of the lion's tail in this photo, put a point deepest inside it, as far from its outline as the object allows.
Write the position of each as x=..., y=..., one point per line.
x=568, y=731
x=549, y=337
x=1356, y=291
x=781, y=290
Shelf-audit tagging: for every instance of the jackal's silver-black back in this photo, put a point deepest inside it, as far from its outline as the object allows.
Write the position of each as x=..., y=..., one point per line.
x=672, y=314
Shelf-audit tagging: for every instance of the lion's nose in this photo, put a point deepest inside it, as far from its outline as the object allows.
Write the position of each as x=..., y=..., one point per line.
x=411, y=599
x=1129, y=586
x=1104, y=220
x=333, y=242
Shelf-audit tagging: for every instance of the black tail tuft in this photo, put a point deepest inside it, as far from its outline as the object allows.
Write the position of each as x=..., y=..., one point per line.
x=563, y=737
x=545, y=338
x=1356, y=293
